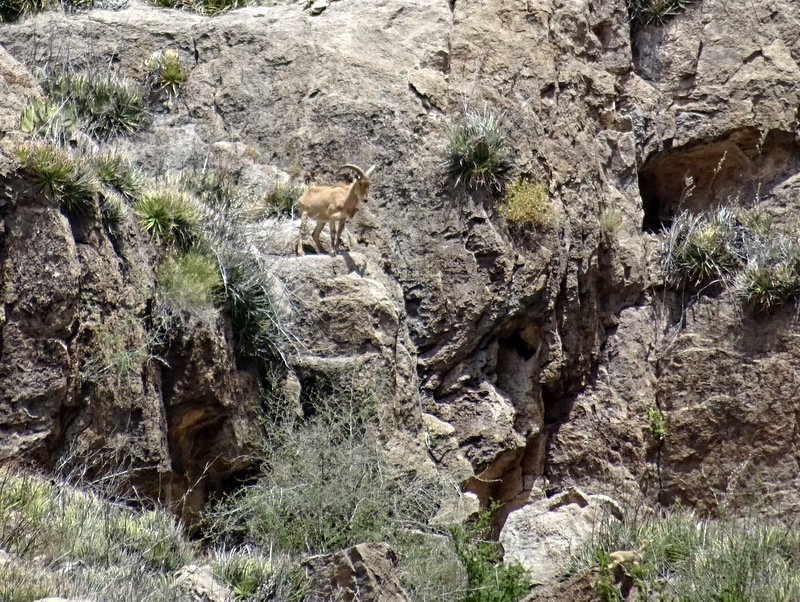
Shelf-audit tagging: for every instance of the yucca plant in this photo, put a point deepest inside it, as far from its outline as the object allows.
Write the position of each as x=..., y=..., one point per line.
x=282, y=198
x=60, y=174
x=166, y=72
x=655, y=12
x=698, y=248
x=45, y=119
x=107, y=104
x=169, y=215
x=477, y=150
x=253, y=576
x=117, y=172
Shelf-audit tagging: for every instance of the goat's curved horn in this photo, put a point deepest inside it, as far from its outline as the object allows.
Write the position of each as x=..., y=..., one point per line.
x=355, y=168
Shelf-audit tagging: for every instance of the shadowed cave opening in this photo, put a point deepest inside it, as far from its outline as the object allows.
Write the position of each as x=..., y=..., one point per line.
x=738, y=168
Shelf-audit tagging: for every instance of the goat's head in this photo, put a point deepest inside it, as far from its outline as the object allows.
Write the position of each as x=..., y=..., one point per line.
x=362, y=180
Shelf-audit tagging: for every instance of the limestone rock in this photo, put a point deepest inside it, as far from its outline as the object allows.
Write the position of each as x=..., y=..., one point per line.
x=366, y=572
x=544, y=535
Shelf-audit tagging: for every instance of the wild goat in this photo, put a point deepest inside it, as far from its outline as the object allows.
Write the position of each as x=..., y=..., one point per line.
x=628, y=557
x=332, y=204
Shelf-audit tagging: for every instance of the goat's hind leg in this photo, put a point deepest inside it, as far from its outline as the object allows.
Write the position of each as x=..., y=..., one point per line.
x=315, y=236
x=303, y=219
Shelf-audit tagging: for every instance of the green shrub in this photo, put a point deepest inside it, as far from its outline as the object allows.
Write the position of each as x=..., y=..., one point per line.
x=525, y=202
x=60, y=174
x=326, y=483
x=655, y=12
x=489, y=579
x=190, y=279
x=169, y=215
x=733, y=559
x=166, y=72
x=107, y=104
x=477, y=151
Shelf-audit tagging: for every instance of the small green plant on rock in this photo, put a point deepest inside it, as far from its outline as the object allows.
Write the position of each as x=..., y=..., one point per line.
x=166, y=72
x=698, y=248
x=45, y=119
x=190, y=279
x=60, y=174
x=655, y=12
x=107, y=104
x=610, y=221
x=117, y=172
x=525, y=202
x=657, y=425
x=169, y=215
x=477, y=150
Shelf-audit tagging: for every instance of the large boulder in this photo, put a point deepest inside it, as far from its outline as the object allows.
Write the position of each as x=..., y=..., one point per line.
x=545, y=535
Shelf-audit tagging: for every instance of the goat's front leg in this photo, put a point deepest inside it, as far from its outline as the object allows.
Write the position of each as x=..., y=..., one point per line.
x=315, y=236
x=339, y=231
x=303, y=219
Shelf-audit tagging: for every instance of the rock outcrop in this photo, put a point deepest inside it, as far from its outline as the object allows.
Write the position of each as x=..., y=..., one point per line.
x=522, y=359
x=365, y=572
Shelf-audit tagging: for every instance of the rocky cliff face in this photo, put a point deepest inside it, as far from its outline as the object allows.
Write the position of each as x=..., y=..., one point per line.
x=522, y=360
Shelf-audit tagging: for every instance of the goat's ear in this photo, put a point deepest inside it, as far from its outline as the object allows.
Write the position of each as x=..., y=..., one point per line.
x=369, y=171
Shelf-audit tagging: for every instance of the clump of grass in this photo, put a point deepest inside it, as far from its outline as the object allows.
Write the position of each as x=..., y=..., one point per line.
x=700, y=248
x=525, y=202
x=736, y=559
x=51, y=521
x=116, y=171
x=11, y=10
x=169, y=215
x=737, y=247
x=42, y=118
x=610, y=221
x=190, y=279
x=253, y=576
x=107, y=104
x=655, y=12
x=166, y=72
x=62, y=175
x=282, y=199
x=477, y=151
x=209, y=8
x=771, y=276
